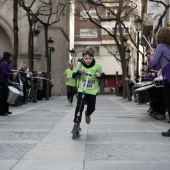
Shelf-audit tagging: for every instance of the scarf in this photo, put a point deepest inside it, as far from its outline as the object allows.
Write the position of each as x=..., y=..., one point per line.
x=88, y=66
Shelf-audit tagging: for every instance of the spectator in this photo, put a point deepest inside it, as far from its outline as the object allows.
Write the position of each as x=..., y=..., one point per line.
x=39, y=86
x=5, y=75
x=24, y=81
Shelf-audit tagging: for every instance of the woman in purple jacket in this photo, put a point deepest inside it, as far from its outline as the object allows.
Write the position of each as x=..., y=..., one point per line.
x=162, y=56
x=5, y=75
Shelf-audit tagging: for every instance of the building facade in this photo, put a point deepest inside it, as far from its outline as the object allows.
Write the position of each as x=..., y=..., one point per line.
x=86, y=33
x=58, y=31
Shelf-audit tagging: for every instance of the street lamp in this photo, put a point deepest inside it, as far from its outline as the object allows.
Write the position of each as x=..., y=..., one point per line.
x=125, y=45
x=34, y=33
x=51, y=49
x=138, y=25
x=50, y=42
x=72, y=52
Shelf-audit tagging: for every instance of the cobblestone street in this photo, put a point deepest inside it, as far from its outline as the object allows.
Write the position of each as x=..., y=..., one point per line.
x=121, y=135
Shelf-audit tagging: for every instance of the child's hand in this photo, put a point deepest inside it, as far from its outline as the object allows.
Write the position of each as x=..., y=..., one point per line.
x=81, y=70
x=98, y=74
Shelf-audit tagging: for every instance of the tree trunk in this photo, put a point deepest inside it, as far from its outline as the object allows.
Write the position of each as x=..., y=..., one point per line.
x=15, y=31
x=30, y=48
x=48, y=62
x=34, y=92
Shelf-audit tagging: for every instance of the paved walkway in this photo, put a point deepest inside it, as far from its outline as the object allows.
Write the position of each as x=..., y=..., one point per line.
x=121, y=137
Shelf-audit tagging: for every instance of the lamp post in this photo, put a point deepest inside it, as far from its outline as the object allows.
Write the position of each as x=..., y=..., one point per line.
x=72, y=51
x=125, y=42
x=125, y=45
x=138, y=25
x=51, y=49
x=34, y=33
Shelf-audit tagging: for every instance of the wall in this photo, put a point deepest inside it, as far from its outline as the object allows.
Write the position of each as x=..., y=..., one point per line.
x=60, y=34
x=5, y=44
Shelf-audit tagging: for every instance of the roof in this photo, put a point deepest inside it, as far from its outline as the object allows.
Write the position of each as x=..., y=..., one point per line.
x=109, y=65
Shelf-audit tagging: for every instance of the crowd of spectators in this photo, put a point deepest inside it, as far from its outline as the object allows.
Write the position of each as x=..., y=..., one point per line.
x=32, y=86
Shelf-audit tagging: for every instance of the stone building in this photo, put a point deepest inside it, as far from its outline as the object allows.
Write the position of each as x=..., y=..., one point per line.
x=59, y=33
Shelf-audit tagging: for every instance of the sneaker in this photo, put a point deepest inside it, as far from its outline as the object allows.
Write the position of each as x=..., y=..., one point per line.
x=149, y=110
x=88, y=119
x=3, y=114
x=150, y=113
x=71, y=104
x=68, y=102
x=168, y=121
x=167, y=134
x=160, y=117
x=153, y=114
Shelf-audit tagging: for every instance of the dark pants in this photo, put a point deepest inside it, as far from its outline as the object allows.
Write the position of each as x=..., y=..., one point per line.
x=160, y=105
x=70, y=93
x=167, y=95
x=4, y=91
x=39, y=94
x=24, y=93
x=90, y=101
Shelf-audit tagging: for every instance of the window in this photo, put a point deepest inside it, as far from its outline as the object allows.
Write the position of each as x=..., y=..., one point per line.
x=84, y=15
x=97, y=51
x=111, y=29
x=88, y=33
x=109, y=14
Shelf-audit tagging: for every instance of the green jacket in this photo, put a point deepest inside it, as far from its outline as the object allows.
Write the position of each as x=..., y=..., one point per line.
x=70, y=82
x=93, y=82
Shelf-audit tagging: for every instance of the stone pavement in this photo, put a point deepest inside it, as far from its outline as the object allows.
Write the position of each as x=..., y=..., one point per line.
x=121, y=137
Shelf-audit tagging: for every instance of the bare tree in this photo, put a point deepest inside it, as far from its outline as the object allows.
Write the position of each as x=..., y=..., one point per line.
x=164, y=13
x=120, y=12
x=47, y=12
x=15, y=32
x=2, y=2
x=28, y=8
